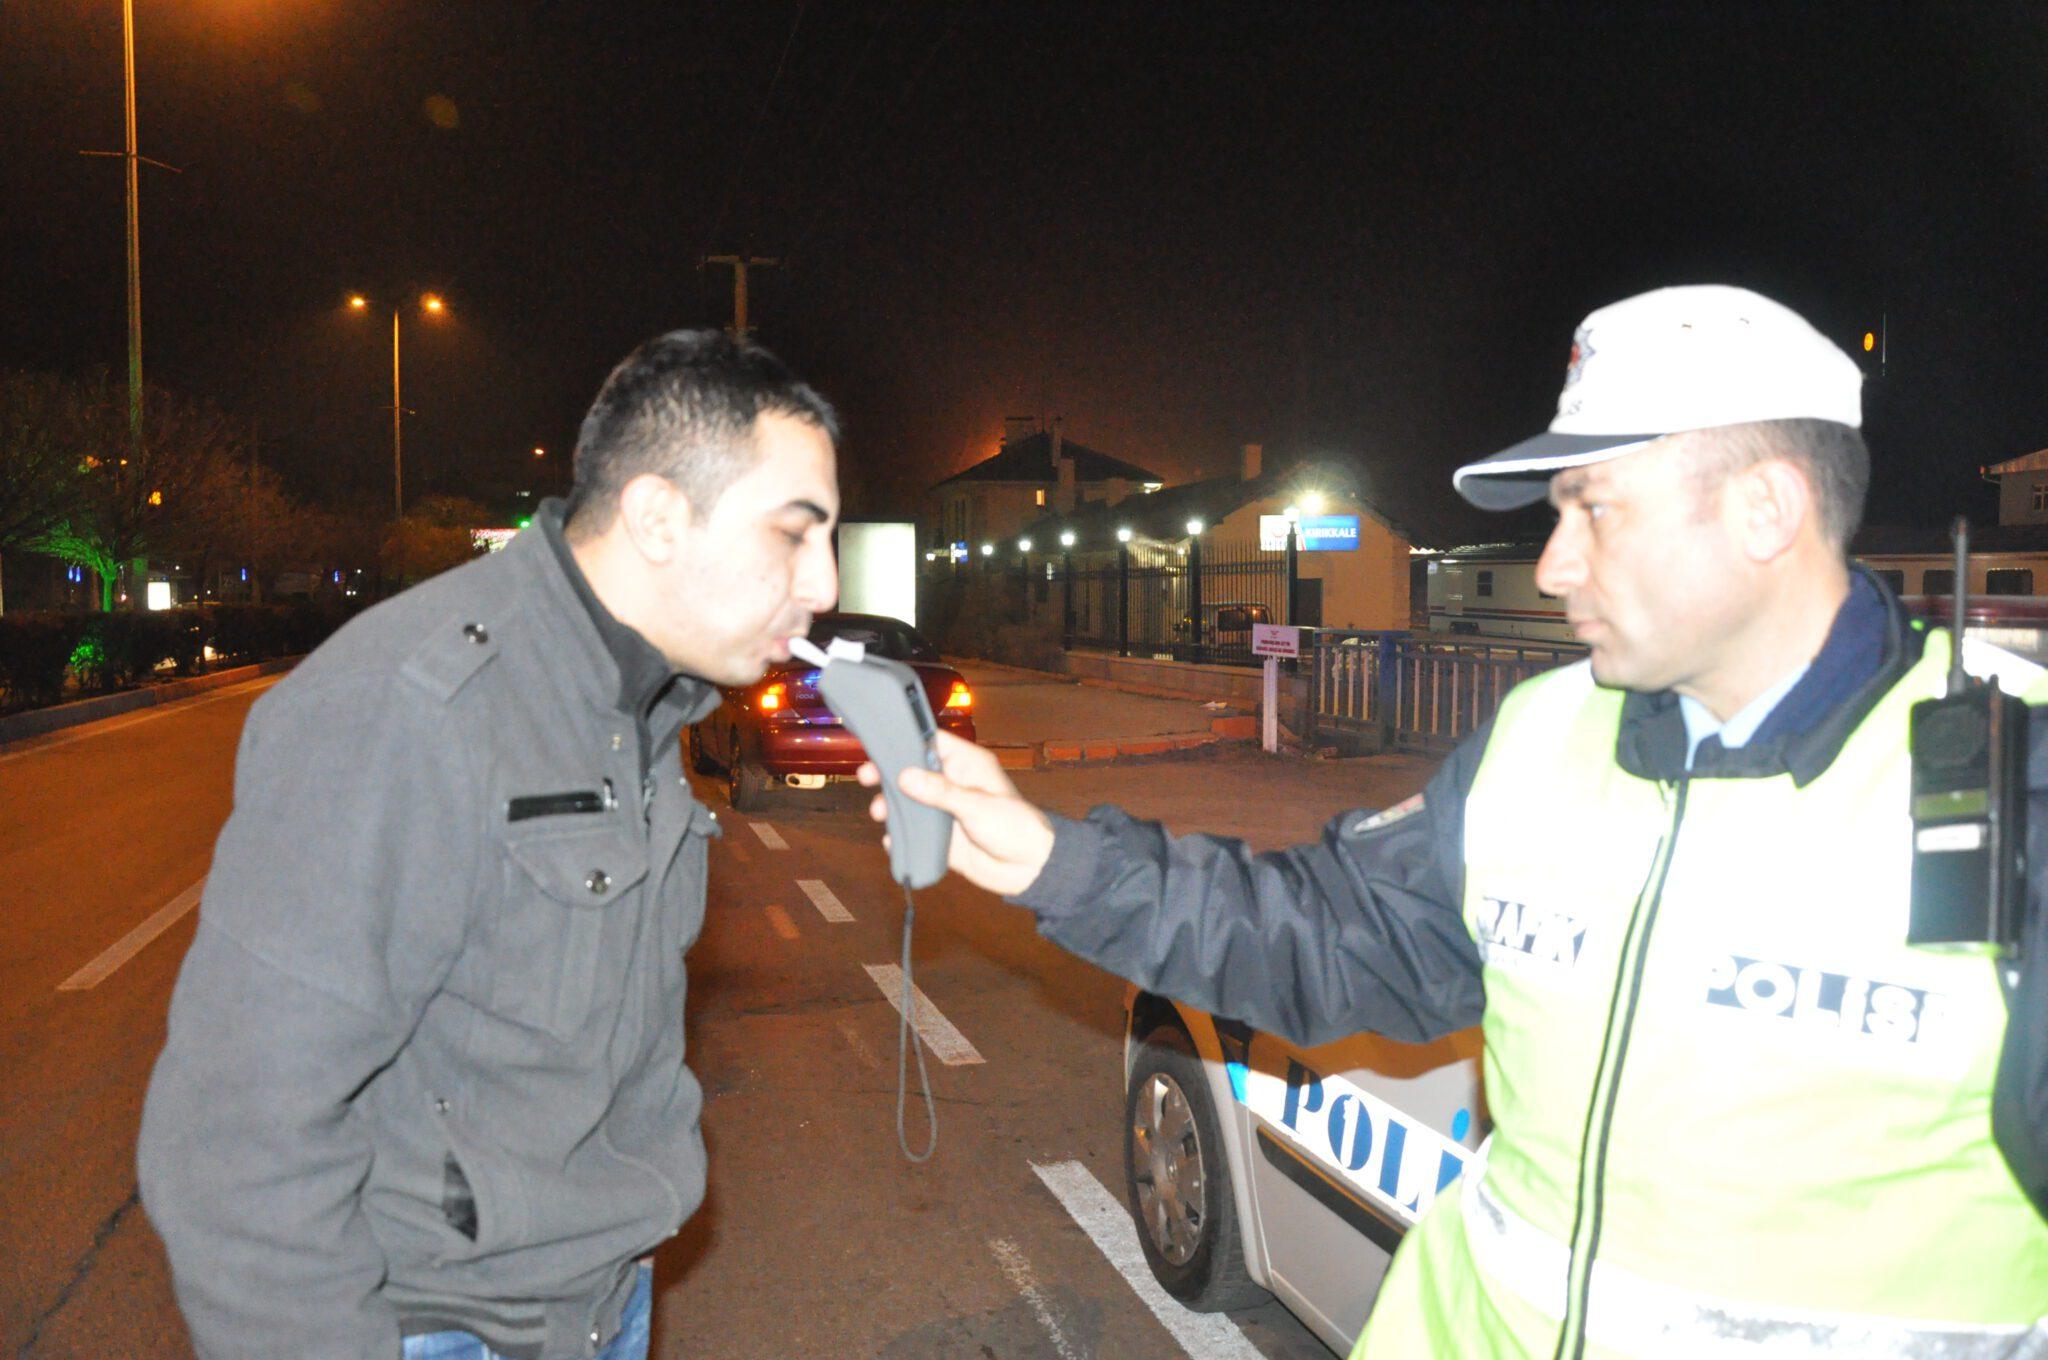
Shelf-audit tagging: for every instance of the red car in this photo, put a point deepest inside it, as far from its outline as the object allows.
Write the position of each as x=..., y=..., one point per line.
x=777, y=731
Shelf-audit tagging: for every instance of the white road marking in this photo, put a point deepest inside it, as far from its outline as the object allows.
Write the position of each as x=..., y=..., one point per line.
x=133, y=943
x=770, y=837
x=1204, y=1336
x=825, y=900
x=109, y=725
x=947, y=1044
x=1018, y=1270
x=858, y=1045
x=779, y=921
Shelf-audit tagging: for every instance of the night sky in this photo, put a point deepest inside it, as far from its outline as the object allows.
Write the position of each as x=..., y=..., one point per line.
x=1351, y=230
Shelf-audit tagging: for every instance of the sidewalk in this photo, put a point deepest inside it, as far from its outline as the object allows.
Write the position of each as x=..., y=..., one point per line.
x=1029, y=718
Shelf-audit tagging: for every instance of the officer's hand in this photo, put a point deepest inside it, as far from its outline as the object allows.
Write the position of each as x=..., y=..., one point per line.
x=1000, y=842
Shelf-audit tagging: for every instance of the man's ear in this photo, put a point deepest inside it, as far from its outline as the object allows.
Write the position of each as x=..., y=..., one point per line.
x=1775, y=503
x=655, y=514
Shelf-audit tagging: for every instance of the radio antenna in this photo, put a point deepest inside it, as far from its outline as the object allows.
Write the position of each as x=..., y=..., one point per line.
x=1958, y=613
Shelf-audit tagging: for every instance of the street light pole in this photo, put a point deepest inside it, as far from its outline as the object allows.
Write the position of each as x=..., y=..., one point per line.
x=432, y=305
x=397, y=429
x=132, y=157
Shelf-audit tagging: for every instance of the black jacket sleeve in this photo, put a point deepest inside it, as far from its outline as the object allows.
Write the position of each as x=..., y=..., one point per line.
x=2019, y=1100
x=1359, y=931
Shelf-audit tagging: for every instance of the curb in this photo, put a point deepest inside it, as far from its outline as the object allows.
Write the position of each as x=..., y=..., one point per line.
x=1037, y=755
x=38, y=722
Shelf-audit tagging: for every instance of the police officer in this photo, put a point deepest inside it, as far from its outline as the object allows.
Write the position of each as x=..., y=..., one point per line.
x=424, y=1090
x=1737, y=1115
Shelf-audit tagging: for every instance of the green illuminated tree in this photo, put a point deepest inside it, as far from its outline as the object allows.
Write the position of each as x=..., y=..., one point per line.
x=40, y=416
x=116, y=502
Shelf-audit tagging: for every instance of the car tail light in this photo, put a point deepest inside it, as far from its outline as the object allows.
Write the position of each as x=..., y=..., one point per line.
x=773, y=697
x=961, y=696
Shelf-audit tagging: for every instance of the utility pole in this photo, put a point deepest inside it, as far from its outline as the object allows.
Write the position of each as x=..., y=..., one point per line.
x=397, y=428
x=740, y=264
x=133, y=158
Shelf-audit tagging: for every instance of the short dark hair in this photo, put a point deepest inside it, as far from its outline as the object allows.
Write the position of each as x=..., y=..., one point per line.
x=1832, y=455
x=683, y=406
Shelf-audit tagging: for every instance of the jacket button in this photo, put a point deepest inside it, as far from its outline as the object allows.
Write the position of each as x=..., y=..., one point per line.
x=598, y=881
x=476, y=633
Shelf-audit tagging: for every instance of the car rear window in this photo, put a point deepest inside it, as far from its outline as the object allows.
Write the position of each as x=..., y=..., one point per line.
x=885, y=637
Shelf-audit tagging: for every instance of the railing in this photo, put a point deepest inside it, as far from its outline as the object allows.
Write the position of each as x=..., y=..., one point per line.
x=1405, y=691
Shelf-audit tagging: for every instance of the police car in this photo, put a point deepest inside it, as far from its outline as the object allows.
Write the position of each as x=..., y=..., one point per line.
x=1256, y=1167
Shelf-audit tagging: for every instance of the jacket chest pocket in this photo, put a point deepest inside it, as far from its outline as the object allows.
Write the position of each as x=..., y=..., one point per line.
x=561, y=899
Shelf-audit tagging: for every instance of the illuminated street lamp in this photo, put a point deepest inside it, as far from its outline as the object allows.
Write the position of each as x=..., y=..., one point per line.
x=988, y=550
x=432, y=305
x=1123, y=534
x=1194, y=527
x=1066, y=538
x=1023, y=545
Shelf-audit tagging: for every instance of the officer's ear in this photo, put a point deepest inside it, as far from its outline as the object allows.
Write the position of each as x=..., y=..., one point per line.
x=654, y=514
x=1772, y=503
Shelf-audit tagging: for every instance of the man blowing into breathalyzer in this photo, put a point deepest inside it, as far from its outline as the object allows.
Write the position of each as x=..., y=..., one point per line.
x=1747, y=1117
x=424, y=1092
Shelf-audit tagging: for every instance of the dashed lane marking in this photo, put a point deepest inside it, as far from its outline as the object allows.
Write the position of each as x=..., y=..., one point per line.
x=779, y=922
x=858, y=1045
x=1018, y=1271
x=825, y=900
x=770, y=837
x=133, y=943
x=1204, y=1336
x=947, y=1044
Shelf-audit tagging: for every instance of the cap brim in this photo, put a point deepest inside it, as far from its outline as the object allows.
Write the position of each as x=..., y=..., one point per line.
x=1520, y=475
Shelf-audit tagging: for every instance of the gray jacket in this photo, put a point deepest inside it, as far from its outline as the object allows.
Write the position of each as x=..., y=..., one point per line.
x=425, y=1063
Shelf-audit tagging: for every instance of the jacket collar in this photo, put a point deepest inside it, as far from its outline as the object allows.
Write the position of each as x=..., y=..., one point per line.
x=1870, y=645
x=625, y=672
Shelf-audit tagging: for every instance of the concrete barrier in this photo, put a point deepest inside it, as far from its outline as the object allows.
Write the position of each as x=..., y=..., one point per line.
x=38, y=722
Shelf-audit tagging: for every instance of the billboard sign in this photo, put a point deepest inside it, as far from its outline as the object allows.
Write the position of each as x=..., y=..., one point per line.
x=1319, y=533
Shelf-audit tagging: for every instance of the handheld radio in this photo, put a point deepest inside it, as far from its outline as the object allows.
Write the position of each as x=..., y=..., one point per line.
x=882, y=702
x=1969, y=754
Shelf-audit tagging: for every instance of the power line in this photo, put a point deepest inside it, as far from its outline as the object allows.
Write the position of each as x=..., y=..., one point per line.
x=875, y=131
x=754, y=133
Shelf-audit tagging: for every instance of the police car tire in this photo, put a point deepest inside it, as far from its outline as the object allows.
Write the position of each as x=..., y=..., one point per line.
x=700, y=759
x=1214, y=1277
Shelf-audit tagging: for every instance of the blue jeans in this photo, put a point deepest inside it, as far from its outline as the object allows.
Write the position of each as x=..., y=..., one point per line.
x=629, y=1344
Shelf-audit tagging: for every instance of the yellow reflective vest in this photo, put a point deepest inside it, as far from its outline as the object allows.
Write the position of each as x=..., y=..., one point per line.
x=1735, y=1115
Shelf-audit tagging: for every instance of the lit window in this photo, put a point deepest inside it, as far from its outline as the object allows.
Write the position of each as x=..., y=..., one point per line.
x=1040, y=494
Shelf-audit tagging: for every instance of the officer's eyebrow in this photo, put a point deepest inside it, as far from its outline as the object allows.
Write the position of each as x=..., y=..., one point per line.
x=809, y=507
x=1568, y=485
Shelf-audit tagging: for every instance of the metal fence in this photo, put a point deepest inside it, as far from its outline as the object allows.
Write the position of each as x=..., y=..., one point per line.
x=1378, y=691
x=1199, y=608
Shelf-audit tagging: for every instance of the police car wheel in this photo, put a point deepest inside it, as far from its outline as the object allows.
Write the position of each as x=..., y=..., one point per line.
x=1177, y=1179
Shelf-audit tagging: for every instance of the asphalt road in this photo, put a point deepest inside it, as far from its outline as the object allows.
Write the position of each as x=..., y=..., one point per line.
x=818, y=1237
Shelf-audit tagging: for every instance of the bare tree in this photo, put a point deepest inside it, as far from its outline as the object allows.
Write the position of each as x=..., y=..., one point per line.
x=439, y=532
x=41, y=416
x=121, y=502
